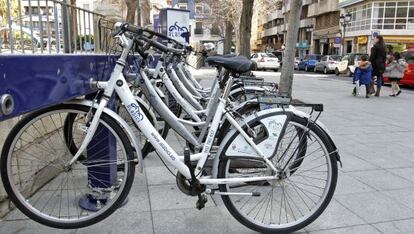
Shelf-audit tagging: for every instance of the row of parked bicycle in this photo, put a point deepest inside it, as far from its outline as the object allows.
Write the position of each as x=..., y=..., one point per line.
x=328, y=64
x=73, y=164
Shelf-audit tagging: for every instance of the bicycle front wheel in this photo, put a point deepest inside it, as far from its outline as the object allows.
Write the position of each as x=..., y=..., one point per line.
x=38, y=180
x=306, y=183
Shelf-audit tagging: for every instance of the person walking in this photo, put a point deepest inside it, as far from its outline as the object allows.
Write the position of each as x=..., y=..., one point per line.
x=395, y=72
x=362, y=76
x=377, y=59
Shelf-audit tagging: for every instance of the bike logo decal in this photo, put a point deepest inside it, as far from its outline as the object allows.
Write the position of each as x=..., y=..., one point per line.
x=134, y=109
x=178, y=31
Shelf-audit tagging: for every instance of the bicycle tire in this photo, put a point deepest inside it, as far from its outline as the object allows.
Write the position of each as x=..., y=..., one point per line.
x=29, y=210
x=224, y=168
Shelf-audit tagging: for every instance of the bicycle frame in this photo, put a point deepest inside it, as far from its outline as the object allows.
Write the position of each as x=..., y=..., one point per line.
x=118, y=84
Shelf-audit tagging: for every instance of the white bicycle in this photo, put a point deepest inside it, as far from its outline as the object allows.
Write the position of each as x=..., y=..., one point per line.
x=262, y=182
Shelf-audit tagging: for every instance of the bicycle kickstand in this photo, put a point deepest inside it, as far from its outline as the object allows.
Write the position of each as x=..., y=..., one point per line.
x=196, y=187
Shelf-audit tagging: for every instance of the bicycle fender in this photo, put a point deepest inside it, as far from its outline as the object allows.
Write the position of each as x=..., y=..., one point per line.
x=135, y=143
x=250, y=88
x=318, y=123
x=325, y=130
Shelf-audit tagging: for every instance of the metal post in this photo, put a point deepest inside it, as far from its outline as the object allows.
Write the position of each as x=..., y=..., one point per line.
x=89, y=30
x=79, y=29
x=75, y=27
x=66, y=29
x=10, y=27
x=31, y=24
x=49, y=40
x=21, y=26
x=343, y=39
x=40, y=19
x=57, y=28
x=100, y=175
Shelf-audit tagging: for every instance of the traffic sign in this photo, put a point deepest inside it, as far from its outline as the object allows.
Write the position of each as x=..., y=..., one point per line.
x=338, y=40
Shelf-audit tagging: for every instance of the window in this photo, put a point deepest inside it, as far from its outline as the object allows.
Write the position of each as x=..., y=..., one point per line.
x=402, y=12
x=389, y=12
x=215, y=30
x=198, y=28
x=199, y=9
x=304, y=13
x=411, y=11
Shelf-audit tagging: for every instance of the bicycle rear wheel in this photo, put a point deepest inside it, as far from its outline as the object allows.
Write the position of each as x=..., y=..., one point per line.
x=303, y=191
x=39, y=183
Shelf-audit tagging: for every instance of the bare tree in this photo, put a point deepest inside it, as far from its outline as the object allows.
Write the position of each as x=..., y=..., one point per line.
x=227, y=14
x=131, y=10
x=228, y=37
x=286, y=79
x=245, y=28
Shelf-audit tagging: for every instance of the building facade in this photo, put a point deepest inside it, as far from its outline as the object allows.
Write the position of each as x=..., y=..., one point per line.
x=276, y=25
x=326, y=29
x=394, y=20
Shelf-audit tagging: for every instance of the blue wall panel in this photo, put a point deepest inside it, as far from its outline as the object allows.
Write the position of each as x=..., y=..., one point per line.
x=37, y=81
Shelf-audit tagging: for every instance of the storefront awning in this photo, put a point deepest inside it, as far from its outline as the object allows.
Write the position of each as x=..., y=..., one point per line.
x=399, y=39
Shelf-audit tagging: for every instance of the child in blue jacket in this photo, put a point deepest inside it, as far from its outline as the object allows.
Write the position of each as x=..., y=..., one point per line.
x=362, y=76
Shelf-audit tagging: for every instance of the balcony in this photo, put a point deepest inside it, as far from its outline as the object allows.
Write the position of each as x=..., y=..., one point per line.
x=275, y=15
x=322, y=7
x=306, y=22
x=272, y=31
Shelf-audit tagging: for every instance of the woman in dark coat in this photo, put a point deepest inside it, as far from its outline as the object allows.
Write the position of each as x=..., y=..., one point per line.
x=377, y=59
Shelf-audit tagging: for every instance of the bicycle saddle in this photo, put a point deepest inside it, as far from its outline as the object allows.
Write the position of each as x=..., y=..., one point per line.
x=236, y=64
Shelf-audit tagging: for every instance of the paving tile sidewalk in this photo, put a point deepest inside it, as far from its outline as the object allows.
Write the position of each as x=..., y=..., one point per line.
x=375, y=191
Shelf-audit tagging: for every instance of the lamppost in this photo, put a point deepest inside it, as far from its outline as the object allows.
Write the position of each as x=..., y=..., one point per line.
x=344, y=20
x=309, y=29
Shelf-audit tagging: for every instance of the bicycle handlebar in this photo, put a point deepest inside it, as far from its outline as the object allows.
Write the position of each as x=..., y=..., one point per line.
x=162, y=47
x=126, y=27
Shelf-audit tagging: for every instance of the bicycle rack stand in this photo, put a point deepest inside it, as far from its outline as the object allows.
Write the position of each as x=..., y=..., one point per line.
x=33, y=82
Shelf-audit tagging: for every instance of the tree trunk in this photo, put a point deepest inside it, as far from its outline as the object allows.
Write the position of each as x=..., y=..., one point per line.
x=138, y=14
x=228, y=38
x=131, y=9
x=245, y=28
x=286, y=79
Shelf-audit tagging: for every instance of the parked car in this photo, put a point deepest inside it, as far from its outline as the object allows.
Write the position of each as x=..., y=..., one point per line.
x=297, y=61
x=408, y=78
x=266, y=61
x=348, y=63
x=309, y=62
x=328, y=64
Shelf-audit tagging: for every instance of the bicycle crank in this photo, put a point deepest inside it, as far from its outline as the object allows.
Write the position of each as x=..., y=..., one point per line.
x=195, y=186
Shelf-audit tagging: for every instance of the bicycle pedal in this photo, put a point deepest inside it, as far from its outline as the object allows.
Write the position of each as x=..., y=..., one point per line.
x=201, y=202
